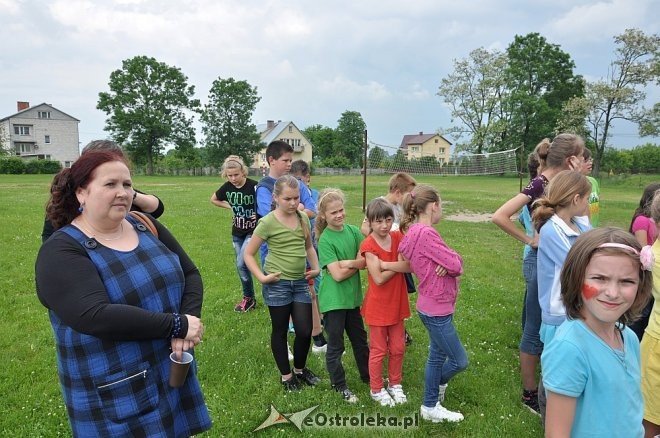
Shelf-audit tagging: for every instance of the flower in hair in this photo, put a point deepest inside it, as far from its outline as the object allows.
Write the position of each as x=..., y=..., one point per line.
x=646, y=258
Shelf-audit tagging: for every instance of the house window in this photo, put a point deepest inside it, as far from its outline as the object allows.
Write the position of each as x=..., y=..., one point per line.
x=436, y=140
x=47, y=139
x=442, y=150
x=21, y=130
x=442, y=161
x=23, y=148
x=67, y=164
x=44, y=114
x=290, y=129
x=414, y=149
x=263, y=157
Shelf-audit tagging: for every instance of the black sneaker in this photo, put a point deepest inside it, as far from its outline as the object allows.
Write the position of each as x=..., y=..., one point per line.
x=293, y=384
x=348, y=395
x=530, y=399
x=308, y=377
x=408, y=339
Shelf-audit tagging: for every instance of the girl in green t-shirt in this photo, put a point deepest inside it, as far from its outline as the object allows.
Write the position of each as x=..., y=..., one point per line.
x=340, y=293
x=284, y=280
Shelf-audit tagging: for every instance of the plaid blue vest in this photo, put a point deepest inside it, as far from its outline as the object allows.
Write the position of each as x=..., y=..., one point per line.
x=120, y=388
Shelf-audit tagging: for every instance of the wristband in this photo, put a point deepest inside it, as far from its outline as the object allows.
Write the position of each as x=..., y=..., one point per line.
x=176, y=326
x=134, y=195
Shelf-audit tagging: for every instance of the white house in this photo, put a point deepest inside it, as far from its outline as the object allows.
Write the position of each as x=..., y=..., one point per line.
x=41, y=132
x=287, y=132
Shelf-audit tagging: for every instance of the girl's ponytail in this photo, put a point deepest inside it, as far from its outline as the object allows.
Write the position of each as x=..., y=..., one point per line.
x=415, y=203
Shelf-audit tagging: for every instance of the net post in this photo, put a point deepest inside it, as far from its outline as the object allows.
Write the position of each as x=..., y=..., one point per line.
x=364, y=174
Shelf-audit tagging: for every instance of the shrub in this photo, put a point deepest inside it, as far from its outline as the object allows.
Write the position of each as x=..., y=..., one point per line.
x=12, y=165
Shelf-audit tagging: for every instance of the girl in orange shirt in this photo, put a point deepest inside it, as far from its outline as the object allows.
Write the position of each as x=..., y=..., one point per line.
x=385, y=305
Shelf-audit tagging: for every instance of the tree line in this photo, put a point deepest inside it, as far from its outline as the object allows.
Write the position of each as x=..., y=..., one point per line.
x=501, y=100
x=150, y=107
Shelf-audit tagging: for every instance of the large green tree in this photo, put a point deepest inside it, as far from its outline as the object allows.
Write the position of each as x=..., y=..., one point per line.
x=349, y=137
x=540, y=80
x=475, y=92
x=149, y=106
x=620, y=96
x=227, y=117
x=323, y=139
x=377, y=157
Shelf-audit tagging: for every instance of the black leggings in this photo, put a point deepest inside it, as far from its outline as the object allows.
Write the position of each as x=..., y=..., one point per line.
x=301, y=314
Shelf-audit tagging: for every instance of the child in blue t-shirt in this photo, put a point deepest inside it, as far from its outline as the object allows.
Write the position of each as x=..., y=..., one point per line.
x=591, y=368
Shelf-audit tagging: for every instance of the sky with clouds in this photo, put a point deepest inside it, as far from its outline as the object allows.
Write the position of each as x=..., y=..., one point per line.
x=309, y=60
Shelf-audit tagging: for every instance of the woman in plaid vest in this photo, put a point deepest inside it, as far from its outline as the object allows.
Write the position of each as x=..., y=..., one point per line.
x=120, y=299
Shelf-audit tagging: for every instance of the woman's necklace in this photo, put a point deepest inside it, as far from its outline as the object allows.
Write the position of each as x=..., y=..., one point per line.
x=99, y=234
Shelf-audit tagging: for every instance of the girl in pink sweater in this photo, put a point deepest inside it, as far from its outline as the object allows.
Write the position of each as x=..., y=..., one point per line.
x=437, y=267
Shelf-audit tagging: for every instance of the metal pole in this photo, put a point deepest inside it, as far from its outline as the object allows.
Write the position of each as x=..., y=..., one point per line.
x=364, y=174
x=520, y=172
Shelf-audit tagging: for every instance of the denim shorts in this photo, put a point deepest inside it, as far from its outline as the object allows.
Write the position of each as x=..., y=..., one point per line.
x=285, y=292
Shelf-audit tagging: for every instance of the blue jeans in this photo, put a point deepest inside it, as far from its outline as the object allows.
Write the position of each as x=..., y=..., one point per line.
x=447, y=357
x=531, y=339
x=244, y=274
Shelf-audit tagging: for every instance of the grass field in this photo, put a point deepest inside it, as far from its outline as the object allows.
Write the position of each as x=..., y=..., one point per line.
x=236, y=368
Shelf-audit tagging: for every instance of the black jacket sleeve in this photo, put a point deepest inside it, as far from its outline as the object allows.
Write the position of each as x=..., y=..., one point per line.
x=47, y=230
x=158, y=212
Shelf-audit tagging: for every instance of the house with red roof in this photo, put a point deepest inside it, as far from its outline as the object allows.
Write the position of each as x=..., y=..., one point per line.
x=420, y=145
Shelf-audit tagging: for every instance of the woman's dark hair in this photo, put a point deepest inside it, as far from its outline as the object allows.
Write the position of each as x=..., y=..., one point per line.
x=644, y=208
x=103, y=145
x=63, y=204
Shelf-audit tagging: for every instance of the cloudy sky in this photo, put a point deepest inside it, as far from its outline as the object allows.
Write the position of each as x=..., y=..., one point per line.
x=310, y=60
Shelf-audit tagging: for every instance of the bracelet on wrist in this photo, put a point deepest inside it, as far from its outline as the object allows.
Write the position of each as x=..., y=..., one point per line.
x=134, y=195
x=176, y=326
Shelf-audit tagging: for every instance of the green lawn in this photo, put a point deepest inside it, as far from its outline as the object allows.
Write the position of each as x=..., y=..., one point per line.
x=236, y=368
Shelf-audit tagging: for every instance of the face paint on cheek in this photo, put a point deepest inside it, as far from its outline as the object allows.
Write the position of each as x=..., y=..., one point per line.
x=589, y=291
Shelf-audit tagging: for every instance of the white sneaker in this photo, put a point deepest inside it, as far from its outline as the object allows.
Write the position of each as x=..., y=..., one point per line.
x=439, y=413
x=383, y=397
x=318, y=350
x=396, y=391
x=288, y=349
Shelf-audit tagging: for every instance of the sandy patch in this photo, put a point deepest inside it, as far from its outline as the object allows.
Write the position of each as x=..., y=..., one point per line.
x=469, y=217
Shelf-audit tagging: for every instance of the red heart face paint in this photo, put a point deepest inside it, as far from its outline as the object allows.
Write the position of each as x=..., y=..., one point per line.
x=589, y=291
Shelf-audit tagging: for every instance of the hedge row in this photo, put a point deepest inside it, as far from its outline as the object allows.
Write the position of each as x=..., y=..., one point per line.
x=16, y=166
